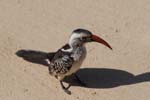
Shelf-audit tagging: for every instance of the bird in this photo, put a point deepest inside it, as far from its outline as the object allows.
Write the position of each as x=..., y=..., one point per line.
x=68, y=59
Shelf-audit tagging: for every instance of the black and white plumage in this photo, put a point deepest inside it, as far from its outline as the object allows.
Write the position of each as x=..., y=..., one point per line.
x=64, y=62
x=68, y=59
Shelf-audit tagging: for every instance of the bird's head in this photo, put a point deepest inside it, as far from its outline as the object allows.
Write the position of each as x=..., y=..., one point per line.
x=82, y=36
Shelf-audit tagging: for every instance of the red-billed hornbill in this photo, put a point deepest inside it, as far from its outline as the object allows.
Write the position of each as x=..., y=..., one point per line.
x=68, y=59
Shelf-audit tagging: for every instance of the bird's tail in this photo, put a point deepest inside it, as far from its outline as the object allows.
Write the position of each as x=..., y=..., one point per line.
x=37, y=57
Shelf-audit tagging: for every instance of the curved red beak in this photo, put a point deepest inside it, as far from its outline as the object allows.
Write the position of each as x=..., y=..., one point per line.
x=100, y=40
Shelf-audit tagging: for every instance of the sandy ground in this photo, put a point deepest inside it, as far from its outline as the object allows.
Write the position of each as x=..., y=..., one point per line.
x=121, y=74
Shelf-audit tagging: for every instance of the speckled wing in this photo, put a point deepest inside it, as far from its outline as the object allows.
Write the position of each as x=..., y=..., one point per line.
x=61, y=63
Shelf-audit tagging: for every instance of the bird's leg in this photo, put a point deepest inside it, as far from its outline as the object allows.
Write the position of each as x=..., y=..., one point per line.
x=79, y=80
x=65, y=88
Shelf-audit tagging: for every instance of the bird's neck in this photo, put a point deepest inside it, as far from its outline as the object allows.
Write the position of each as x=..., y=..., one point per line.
x=72, y=46
x=70, y=49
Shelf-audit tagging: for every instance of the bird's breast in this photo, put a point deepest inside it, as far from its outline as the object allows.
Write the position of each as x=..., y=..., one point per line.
x=78, y=55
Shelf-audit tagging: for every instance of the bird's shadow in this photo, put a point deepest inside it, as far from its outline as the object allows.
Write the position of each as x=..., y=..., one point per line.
x=101, y=77
x=107, y=78
x=37, y=61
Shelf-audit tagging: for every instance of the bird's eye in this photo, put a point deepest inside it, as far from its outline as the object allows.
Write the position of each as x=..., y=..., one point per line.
x=83, y=38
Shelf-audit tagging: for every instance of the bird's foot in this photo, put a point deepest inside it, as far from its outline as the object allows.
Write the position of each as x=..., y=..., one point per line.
x=67, y=91
x=65, y=88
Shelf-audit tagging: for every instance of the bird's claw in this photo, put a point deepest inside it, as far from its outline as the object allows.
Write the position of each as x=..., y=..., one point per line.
x=67, y=91
x=65, y=88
